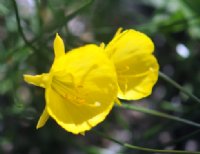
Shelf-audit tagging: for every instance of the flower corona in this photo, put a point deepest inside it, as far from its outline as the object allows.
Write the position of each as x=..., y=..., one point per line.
x=136, y=67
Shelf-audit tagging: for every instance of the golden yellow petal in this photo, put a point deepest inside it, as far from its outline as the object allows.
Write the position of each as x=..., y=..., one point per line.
x=84, y=86
x=43, y=119
x=118, y=102
x=37, y=80
x=74, y=118
x=127, y=43
x=137, y=76
x=59, y=47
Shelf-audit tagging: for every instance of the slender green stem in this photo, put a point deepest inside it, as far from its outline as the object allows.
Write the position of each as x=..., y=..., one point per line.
x=70, y=16
x=19, y=26
x=159, y=114
x=51, y=30
x=142, y=148
x=55, y=28
x=179, y=87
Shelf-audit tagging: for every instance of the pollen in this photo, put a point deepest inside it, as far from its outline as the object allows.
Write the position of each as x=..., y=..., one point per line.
x=71, y=98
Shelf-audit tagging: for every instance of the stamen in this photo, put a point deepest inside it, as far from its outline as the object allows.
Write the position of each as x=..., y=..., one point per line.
x=71, y=92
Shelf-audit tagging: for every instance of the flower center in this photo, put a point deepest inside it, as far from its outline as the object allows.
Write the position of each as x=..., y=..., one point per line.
x=66, y=87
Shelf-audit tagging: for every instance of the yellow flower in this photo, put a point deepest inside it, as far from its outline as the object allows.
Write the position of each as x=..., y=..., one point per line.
x=136, y=67
x=80, y=87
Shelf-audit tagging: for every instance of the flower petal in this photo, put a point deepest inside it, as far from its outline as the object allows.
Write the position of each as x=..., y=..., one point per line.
x=37, y=80
x=74, y=118
x=59, y=47
x=83, y=90
x=137, y=80
x=43, y=119
x=128, y=42
x=137, y=69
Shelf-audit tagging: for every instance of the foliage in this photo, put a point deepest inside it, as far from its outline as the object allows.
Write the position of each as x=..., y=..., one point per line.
x=165, y=120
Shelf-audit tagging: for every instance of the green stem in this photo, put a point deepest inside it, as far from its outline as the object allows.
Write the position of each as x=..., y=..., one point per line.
x=179, y=87
x=80, y=9
x=142, y=148
x=70, y=16
x=19, y=26
x=159, y=114
x=51, y=30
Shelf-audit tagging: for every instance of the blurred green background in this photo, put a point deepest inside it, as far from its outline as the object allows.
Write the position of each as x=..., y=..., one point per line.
x=173, y=25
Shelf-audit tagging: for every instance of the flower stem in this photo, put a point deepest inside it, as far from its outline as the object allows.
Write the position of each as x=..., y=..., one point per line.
x=175, y=84
x=159, y=114
x=19, y=26
x=142, y=148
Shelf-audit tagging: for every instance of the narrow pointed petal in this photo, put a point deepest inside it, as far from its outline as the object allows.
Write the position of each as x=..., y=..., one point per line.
x=102, y=45
x=43, y=119
x=119, y=30
x=59, y=47
x=118, y=102
x=37, y=80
